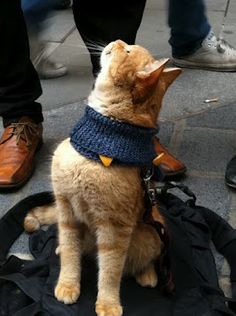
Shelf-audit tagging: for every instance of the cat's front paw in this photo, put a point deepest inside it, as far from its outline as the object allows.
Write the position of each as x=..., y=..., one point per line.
x=148, y=278
x=31, y=223
x=108, y=310
x=67, y=293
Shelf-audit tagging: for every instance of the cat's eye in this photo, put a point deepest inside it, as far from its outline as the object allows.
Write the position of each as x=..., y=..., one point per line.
x=127, y=51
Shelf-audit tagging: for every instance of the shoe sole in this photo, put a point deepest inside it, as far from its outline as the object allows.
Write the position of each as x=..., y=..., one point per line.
x=44, y=76
x=12, y=187
x=230, y=185
x=214, y=67
x=174, y=173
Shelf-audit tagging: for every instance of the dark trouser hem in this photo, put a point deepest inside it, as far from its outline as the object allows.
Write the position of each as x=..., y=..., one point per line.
x=189, y=26
x=103, y=21
x=34, y=111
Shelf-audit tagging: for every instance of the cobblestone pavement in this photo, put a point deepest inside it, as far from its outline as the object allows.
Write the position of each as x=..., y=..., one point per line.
x=200, y=134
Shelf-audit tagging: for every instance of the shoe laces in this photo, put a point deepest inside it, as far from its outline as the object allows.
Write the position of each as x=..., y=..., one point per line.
x=223, y=46
x=23, y=131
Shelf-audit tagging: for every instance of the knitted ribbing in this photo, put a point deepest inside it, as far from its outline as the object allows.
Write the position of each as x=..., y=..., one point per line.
x=96, y=134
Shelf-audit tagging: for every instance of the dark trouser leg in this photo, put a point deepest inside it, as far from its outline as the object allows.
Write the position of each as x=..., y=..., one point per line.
x=100, y=22
x=19, y=83
x=189, y=26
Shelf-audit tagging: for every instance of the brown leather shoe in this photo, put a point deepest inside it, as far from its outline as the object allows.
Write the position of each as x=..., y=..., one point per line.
x=18, y=145
x=170, y=166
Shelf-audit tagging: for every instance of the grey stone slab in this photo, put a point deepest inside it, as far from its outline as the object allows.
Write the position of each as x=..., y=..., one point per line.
x=187, y=94
x=74, y=39
x=220, y=118
x=207, y=150
x=185, y=97
x=154, y=33
x=58, y=26
x=75, y=86
x=7, y=201
x=211, y=193
x=21, y=245
x=156, y=4
x=215, y=5
x=216, y=19
x=165, y=132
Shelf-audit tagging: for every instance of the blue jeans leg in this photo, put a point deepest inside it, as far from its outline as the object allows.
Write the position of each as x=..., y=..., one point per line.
x=189, y=26
x=36, y=12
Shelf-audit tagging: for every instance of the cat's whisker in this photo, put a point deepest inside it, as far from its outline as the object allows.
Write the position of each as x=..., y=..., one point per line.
x=94, y=48
x=99, y=45
x=95, y=54
x=100, y=49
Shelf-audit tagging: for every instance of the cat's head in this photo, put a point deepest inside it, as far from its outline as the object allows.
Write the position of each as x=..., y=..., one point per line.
x=131, y=84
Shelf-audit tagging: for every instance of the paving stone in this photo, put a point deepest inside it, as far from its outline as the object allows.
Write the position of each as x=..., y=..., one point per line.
x=21, y=245
x=75, y=86
x=187, y=94
x=204, y=150
x=211, y=193
x=59, y=25
x=165, y=132
x=207, y=150
x=219, y=118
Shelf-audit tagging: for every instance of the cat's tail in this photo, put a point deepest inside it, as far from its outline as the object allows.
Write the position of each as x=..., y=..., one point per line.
x=38, y=216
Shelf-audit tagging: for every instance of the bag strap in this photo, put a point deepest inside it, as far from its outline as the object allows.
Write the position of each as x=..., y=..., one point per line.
x=163, y=188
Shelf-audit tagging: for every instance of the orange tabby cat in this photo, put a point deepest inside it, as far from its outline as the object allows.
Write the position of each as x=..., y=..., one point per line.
x=101, y=208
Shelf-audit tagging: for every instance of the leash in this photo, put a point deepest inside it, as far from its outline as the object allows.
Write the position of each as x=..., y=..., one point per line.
x=220, y=47
x=221, y=35
x=154, y=218
x=154, y=191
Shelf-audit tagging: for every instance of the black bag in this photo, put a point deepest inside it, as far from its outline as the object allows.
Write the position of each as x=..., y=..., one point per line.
x=27, y=287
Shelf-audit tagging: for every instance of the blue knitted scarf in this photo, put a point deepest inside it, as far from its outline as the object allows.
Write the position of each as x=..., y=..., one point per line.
x=96, y=134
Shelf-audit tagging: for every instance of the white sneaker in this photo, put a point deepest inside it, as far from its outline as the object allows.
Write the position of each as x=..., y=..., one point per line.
x=214, y=54
x=48, y=69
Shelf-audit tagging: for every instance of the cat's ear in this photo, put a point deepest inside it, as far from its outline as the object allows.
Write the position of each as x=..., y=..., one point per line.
x=147, y=79
x=151, y=72
x=168, y=76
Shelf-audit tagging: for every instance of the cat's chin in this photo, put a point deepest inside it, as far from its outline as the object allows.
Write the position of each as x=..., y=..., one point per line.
x=96, y=105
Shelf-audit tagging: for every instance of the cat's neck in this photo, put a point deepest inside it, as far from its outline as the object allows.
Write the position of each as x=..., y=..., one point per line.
x=99, y=98
x=96, y=101
x=117, y=104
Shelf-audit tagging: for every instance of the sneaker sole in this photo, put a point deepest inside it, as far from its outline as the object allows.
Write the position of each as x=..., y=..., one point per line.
x=45, y=76
x=213, y=67
x=174, y=173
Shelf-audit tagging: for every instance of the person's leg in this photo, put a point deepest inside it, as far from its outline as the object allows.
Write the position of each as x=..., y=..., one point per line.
x=188, y=24
x=36, y=12
x=19, y=83
x=193, y=43
x=19, y=88
x=100, y=22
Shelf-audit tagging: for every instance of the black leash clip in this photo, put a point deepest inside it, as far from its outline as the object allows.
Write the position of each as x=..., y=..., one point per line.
x=150, y=189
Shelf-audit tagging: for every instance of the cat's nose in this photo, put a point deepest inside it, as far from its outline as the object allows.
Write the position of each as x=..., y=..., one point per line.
x=120, y=43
